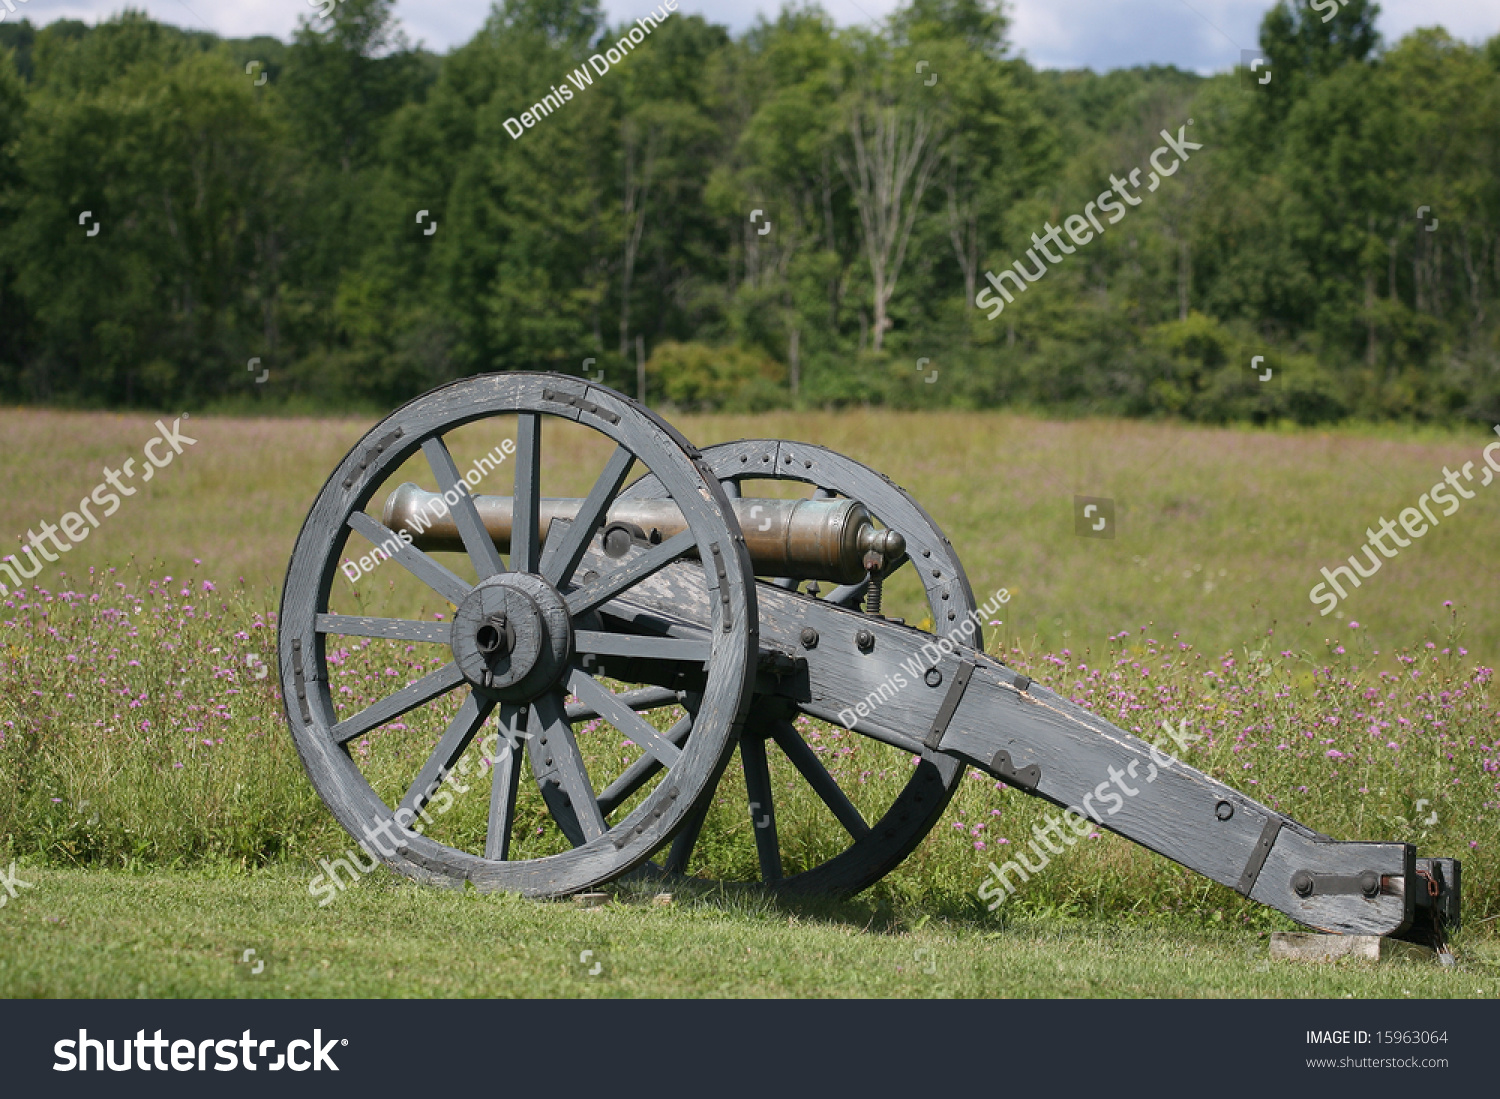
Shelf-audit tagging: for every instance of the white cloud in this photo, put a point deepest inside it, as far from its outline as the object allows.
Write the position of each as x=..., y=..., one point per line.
x=1203, y=35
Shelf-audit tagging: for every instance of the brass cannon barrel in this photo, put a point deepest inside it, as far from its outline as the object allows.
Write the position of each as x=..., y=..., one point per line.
x=797, y=539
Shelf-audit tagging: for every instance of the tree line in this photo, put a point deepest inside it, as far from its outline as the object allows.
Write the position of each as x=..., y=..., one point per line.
x=800, y=215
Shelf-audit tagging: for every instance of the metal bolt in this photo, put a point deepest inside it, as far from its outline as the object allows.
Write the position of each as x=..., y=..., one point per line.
x=865, y=640
x=809, y=638
x=1223, y=810
x=617, y=542
x=1369, y=883
x=1302, y=883
x=874, y=562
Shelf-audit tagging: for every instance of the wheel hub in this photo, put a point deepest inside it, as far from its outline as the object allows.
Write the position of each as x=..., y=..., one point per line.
x=512, y=637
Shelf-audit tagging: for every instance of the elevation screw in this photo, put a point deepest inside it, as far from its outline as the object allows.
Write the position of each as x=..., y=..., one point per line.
x=873, y=564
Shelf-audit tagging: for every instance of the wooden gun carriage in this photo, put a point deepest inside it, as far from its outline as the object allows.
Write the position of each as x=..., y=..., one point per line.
x=707, y=602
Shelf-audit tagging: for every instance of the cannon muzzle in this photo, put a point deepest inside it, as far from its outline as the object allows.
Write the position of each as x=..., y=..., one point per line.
x=796, y=539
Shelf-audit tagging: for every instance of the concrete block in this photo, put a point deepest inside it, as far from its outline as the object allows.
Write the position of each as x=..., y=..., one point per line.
x=592, y=900
x=1308, y=946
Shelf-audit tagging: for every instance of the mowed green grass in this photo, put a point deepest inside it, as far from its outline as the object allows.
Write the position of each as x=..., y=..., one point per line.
x=1222, y=532
x=111, y=934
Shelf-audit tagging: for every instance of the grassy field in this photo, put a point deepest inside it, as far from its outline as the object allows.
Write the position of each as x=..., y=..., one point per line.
x=1222, y=533
x=140, y=755
x=130, y=935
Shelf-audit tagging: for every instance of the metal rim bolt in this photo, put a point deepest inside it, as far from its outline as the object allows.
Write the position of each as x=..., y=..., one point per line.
x=865, y=640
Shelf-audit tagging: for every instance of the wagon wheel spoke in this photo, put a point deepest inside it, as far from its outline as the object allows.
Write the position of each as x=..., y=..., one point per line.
x=390, y=629
x=637, y=569
x=824, y=785
x=470, y=718
x=525, y=531
x=480, y=547
x=511, y=637
x=642, y=770
x=564, y=554
x=430, y=686
x=687, y=839
x=762, y=810
x=505, y=772
x=451, y=587
x=642, y=646
x=608, y=705
x=644, y=698
x=871, y=848
x=560, y=770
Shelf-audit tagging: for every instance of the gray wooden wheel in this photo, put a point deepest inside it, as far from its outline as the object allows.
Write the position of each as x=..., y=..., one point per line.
x=874, y=848
x=552, y=633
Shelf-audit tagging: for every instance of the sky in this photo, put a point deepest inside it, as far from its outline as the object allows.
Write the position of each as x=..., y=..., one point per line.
x=1201, y=35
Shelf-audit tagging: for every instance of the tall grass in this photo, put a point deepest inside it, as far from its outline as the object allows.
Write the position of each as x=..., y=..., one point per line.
x=1222, y=532
x=133, y=729
x=134, y=732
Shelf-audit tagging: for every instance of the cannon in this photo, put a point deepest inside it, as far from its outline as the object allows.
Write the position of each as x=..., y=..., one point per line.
x=623, y=644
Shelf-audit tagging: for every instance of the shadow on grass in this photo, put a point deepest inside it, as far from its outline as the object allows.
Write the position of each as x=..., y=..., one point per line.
x=867, y=912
